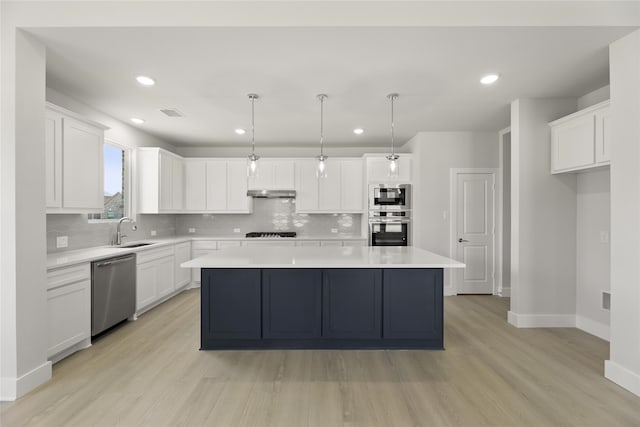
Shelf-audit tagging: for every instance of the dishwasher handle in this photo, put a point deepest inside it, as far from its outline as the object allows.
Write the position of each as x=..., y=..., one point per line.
x=114, y=261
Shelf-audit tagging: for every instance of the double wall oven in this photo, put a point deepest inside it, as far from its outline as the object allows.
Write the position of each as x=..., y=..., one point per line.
x=389, y=215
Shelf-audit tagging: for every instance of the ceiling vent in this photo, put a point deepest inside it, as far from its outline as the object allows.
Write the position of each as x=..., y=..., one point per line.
x=172, y=112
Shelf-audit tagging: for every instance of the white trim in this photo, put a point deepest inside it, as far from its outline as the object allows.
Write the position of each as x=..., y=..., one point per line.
x=84, y=344
x=622, y=376
x=13, y=388
x=500, y=217
x=497, y=218
x=592, y=327
x=541, y=320
x=449, y=291
x=505, y=292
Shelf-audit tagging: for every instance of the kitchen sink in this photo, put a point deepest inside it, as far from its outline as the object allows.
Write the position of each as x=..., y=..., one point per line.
x=133, y=245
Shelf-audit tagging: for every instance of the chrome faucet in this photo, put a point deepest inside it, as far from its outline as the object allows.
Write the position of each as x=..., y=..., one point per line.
x=119, y=235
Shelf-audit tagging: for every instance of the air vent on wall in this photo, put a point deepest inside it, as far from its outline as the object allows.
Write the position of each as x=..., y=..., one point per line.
x=172, y=112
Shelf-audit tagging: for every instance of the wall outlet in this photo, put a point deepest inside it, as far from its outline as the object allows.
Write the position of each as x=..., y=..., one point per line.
x=236, y=230
x=334, y=230
x=192, y=230
x=153, y=233
x=62, y=241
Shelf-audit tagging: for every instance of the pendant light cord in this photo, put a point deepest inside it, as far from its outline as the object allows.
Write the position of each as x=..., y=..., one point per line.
x=392, y=97
x=253, y=130
x=322, y=97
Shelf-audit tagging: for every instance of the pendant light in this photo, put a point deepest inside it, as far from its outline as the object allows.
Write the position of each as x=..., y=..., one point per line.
x=322, y=159
x=252, y=159
x=393, y=157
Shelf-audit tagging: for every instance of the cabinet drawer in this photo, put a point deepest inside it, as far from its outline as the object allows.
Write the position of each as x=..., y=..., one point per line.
x=66, y=275
x=308, y=243
x=153, y=254
x=230, y=244
x=354, y=243
x=331, y=243
x=205, y=245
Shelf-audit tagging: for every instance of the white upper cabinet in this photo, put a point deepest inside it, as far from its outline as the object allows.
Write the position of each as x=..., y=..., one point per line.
x=216, y=186
x=581, y=140
x=160, y=176
x=74, y=163
x=341, y=191
x=195, y=188
x=274, y=174
x=378, y=169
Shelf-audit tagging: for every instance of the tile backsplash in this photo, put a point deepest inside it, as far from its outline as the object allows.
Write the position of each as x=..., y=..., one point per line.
x=271, y=215
x=83, y=234
x=268, y=215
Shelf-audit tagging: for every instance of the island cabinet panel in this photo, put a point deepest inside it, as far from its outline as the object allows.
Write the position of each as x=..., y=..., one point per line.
x=352, y=304
x=291, y=303
x=231, y=304
x=412, y=306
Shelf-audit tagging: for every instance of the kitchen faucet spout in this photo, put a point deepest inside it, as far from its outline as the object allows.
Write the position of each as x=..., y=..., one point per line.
x=119, y=235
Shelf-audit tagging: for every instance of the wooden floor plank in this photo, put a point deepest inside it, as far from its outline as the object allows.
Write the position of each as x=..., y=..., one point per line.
x=151, y=373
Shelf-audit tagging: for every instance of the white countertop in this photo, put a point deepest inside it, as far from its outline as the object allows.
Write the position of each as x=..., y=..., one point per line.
x=324, y=257
x=67, y=258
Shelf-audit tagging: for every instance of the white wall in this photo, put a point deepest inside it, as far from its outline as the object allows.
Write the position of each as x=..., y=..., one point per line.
x=23, y=363
x=435, y=153
x=118, y=131
x=593, y=252
x=623, y=366
x=594, y=97
x=543, y=214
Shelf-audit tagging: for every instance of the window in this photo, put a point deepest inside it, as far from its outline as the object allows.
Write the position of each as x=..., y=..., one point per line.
x=115, y=194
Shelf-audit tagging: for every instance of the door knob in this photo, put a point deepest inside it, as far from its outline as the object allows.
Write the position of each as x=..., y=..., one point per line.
x=460, y=240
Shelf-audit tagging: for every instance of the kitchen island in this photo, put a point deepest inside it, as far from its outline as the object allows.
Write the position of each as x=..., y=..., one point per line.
x=322, y=297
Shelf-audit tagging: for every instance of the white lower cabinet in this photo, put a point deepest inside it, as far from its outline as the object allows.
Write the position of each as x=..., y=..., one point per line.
x=68, y=310
x=308, y=243
x=354, y=243
x=331, y=243
x=272, y=243
x=155, y=277
x=183, y=275
x=200, y=248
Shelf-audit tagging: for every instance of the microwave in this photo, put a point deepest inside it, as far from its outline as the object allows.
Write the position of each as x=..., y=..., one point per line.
x=390, y=197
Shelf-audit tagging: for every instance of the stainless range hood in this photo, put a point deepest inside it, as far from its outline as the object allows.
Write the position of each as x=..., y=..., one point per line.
x=272, y=194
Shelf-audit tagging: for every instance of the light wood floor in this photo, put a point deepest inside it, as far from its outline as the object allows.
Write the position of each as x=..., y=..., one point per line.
x=150, y=372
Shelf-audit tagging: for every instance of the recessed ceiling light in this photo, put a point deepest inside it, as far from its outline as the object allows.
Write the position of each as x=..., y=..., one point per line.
x=137, y=120
x=358, y=131
x=489, y=79
x=145, y=81
x=240, y=131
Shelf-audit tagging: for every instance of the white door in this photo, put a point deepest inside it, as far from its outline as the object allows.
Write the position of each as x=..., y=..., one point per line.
x=474, y=232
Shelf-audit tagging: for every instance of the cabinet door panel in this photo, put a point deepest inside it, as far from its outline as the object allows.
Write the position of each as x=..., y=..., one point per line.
x=306, y=186
x=331, y=188
x=53, y=147
x=177, y=184
x=237, y=200
x=166, y=184
x=264, y=178
x=292, y=303
x=284, y=175
x=145, y=285
x=165, y=276
x=603, y=135
x=352, y=186
x=183, y=275
x=195, y=186
x=69, y=311
x=352, y=303
x=412, y=303
x=216, y=187
x=573, y=143
x=240, y=319
x=82, y=166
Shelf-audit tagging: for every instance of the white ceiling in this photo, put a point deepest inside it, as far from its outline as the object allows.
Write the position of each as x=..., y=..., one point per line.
x=206, y=73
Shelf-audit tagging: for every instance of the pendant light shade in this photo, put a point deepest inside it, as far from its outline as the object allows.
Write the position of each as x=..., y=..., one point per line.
x=393, y=157
x=322, y=159
x=252, y=159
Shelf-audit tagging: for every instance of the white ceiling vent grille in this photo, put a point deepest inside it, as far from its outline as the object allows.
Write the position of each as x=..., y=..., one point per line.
x=172, y=112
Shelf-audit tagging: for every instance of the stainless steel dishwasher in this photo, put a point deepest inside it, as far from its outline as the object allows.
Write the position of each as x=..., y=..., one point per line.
x=113, y=291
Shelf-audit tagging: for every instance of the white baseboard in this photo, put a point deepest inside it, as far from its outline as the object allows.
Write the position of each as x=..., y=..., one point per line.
x=592, y=327
x=448, y=291
x=13, y=388
x=622, y=376
x=505, y=293
x=541, y=320
x=68, y=352
x=193, y=285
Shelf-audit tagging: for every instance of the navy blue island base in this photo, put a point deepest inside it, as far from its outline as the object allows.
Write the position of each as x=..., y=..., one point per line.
x=309, y=308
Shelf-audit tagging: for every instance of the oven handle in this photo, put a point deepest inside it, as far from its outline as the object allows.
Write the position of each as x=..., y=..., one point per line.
x=390, y=221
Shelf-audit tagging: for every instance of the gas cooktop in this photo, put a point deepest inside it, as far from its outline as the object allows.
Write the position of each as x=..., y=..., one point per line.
x=271, y=234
